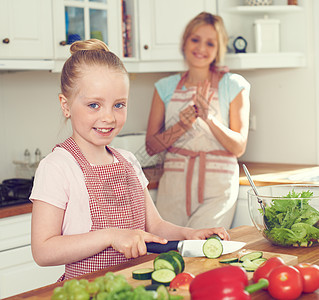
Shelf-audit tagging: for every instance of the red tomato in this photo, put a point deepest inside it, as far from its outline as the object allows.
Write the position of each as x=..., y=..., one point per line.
x=310, y=276
x=182, y=281
x=265, y=268
x=285, y=283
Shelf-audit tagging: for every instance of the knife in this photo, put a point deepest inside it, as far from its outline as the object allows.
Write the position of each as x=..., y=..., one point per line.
x=192, y=248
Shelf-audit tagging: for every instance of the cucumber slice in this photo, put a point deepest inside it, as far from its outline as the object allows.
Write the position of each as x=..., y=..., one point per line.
x=179, y=259
x=229, y=260
x=142, y=274
x=213, y=248
x=163, y=276
x=251, y=256
x=237, y=264
x=162, y=293
x=259, y=261
x=249, y=265
x=166, y=261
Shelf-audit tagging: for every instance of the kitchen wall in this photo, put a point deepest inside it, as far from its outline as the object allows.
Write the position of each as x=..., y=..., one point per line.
x=282, y=100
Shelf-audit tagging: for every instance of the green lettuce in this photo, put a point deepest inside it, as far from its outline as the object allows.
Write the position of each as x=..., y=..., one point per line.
x=292, y=222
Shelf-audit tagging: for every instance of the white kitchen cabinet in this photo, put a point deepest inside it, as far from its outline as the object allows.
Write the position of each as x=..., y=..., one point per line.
x=74, y=20
x=159, y=30
x=18, y=271
x=242, y=216
x=26, y=29
x=239, y=21
x=162, y=23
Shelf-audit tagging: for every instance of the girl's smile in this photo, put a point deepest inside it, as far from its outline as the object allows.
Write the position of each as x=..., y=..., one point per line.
x=98, y=109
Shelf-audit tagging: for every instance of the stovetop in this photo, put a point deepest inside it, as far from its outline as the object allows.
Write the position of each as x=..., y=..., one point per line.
x=15, y=191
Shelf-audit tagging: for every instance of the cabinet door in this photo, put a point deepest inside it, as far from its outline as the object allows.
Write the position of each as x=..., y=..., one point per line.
x=25, y=29
x=81, y=20
x=19, y=273
x=161, y=25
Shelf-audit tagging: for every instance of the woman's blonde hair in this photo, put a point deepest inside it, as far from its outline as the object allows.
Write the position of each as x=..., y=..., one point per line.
x=217, y=22
x=89, y=53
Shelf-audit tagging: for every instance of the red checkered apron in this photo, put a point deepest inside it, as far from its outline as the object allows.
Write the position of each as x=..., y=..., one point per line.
x=116, y=200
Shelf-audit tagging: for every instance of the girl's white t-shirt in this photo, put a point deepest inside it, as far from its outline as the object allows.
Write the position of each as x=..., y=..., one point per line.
x=59, y=181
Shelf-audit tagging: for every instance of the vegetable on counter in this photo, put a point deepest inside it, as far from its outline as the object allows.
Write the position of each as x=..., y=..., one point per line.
x=181, y=281
x=109, y=286
x=288, y=282
x=267, y=267
x=250, y=261
x=292, y=222
x=213, y=248
x=228, y=282
x=285, y=283
x=310, y=276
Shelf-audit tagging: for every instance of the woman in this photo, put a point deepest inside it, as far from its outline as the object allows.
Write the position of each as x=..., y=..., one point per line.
x=201, y=119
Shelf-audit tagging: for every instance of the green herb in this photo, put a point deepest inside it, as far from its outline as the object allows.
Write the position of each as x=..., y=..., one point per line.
x=292, y=222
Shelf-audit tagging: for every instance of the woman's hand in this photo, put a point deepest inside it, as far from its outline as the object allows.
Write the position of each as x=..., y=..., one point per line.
x=188, y=116
x=201, y=234
x=132, y=242
x=202, y=99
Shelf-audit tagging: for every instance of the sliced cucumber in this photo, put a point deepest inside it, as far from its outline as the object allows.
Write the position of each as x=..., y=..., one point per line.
x=251, y=256
x=162, y=293
x=179, y=259
x=249, y=265
x=229, y=260
x=213, y=248
x=166, y=261
x=237, y=264
x=163, y=276
x=259, y=261
x=142, y=274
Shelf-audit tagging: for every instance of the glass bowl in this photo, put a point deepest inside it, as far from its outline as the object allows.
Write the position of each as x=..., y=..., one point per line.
x=291, y=214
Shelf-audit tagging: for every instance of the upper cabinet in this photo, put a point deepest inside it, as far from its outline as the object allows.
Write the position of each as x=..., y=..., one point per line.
x=25, y=33
x=162, y=23
x=146, y=34
x=276, y=34
x=85, y=19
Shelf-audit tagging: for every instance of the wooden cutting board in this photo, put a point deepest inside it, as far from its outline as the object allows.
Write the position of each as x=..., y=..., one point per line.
x=197, y=265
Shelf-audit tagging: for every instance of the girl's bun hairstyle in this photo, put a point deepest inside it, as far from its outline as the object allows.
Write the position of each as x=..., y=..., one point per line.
x=92, y=44
x=84, y=54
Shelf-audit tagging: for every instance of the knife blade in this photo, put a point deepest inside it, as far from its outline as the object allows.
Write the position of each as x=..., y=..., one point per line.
x=192, y=248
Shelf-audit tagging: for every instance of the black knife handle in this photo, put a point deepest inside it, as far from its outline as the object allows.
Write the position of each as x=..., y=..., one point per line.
x=160, y=248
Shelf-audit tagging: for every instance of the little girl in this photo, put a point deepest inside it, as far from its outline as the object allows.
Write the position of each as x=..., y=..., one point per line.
x=91, y=205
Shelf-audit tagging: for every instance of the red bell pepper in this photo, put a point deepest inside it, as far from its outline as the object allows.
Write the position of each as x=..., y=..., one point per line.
x=228, y=282
x=267, y=267
x=310, y=276
x=285, y=283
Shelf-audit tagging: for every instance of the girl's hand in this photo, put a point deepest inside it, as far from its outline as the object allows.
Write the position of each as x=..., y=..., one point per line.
x=132, y=242
x=202, y=99
x=188, y=116
x=201, y=234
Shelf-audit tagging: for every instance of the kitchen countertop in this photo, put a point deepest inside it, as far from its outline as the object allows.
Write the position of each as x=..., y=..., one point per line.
x=262, y=173
x=248, y=234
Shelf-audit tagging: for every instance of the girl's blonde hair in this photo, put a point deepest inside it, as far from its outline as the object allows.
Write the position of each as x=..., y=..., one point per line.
x=89, y=53
x=217, y=22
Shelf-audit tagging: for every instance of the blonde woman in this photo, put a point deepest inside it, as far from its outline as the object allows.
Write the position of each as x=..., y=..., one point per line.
x=200, y=119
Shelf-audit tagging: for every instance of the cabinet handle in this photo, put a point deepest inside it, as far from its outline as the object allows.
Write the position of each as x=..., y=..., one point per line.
x=145, y=47
x=6, y=41
x=62, y=43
